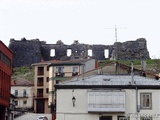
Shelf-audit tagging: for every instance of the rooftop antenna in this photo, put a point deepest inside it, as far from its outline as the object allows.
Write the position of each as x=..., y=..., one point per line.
x=115, y=33
x=115, y=29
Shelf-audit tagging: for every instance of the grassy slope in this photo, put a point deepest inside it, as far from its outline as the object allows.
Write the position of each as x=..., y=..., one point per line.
x=23, y=73
x=153, y=66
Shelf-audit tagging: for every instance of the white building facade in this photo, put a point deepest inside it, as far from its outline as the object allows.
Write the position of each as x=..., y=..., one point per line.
x=24, y=96
x=108, y=97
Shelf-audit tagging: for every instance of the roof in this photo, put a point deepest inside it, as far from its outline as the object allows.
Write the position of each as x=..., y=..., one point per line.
x=21, y=83
x=5, y=46
x=140, y=71
x=13, y=96
x=59, y=62
x=71, y=62
x=110, y=81
x=45, y=62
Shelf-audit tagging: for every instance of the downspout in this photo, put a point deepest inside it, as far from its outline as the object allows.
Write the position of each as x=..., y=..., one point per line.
x=137, y=107
x=132, y=83
x=132, y=74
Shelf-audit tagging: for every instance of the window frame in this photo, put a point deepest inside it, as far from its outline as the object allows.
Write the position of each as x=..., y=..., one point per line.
x=24, y=102
x=16, y=92
x=75, y=69
x=24, y=93
x=142, y=101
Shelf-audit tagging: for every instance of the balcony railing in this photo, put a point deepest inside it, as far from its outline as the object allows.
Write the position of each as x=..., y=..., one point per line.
x=40, y=73
x=40, y=84
x=21, y=95
x=40, y=95
x=74, y=73
x=60, y=74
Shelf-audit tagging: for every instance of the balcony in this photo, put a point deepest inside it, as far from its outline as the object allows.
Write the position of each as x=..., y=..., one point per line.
x=74, y=73
x=60, y=74
x=40, y=84
x=21, y=95
x=106, y=101
x=40, y=73
x=40, y=95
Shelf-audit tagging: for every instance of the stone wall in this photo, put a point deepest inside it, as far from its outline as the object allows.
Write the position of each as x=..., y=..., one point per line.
x=27, y=52
x=131, y=50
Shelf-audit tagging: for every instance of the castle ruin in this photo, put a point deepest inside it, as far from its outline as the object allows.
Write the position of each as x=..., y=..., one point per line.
x=27, y=52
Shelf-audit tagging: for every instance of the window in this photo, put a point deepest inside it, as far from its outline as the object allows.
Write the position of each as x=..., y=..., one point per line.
x=24, y=93
x=106, y=53
x=69, y=52
x=40, y=81
x=47, y=90
x=16, y=92
x=146, y=100
x=40, y=71
x=75, y=69
x=60, y=69
x=39, y=92
x=24, y=102
x=106, y=118
x=52, y=52
x=106, y=101
x=5, y=59
x=47, y=79
x=146, y=118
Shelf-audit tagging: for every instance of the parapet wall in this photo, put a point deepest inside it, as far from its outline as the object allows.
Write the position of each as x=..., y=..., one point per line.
x=27, y=52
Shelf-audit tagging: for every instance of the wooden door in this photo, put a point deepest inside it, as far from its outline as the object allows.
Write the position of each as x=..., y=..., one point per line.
x=40, y=106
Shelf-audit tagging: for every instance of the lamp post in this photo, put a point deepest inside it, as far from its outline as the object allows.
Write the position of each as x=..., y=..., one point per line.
x=73, y=101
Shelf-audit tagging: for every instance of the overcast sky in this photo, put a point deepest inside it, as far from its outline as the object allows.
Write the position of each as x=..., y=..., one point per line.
x=88, y=21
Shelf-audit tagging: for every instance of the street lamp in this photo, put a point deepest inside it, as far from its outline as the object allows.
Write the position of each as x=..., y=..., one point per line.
x=73, y=101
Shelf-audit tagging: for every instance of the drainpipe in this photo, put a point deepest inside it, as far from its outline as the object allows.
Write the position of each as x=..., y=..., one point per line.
x=132, y=74
x=137, y=107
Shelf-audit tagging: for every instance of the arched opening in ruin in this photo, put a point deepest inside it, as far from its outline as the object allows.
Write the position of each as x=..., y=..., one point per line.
x=52, y=52
x=106, y=53
x=90, y=52
x=69, y=52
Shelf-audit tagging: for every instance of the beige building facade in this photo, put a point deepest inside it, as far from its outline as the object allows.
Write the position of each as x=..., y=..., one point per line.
x=49, y=73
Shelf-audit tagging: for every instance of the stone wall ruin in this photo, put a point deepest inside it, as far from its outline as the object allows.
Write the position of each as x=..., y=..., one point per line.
x=27, y=52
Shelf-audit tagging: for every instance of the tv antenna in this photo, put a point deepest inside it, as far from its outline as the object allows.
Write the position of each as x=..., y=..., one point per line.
x=115, y=29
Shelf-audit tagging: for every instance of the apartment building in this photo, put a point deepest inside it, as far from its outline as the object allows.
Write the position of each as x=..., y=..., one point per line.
x=48, y=73
x=6, y=59
x=24, y=92
x=108, y=97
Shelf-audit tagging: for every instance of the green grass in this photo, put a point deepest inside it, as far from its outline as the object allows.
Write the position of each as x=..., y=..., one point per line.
x=28, y=72
x=23, y=73
x=150, y=62
x=152, y=65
